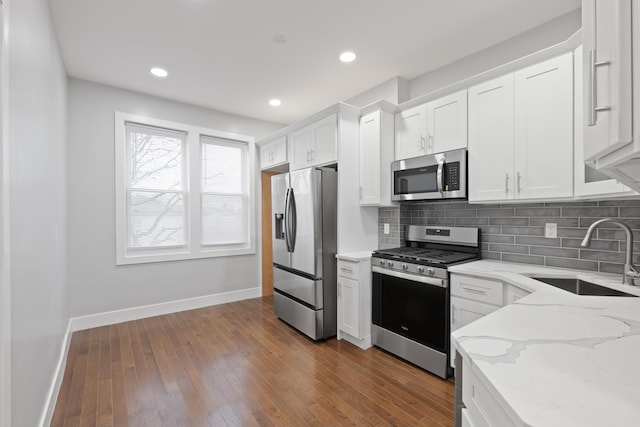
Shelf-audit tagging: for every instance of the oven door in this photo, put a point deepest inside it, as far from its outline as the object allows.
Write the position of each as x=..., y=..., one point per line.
x=414, y=307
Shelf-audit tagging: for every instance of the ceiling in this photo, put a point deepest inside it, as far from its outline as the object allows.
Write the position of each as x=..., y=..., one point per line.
x=235, y=55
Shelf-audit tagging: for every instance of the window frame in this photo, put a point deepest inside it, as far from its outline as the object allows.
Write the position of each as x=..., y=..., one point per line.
x=193, y=249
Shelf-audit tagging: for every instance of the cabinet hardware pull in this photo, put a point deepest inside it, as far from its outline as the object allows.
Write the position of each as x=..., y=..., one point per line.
x=506, y=183
x=518, y=183
x=474, y=290
x=308, y=156
x=593, y=88
x=430, y=149
x=312, y=152
x=346, y=270
x=422, y=143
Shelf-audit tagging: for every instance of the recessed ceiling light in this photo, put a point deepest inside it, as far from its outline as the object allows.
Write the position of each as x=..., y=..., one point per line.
x=347, y=56
x=275, y=102
x=159, y=72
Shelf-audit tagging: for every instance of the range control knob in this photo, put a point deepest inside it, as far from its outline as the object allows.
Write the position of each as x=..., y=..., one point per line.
x=390, y=264
x=405, y=267
x=382, y=263
x=421, y=270
x=431, y=271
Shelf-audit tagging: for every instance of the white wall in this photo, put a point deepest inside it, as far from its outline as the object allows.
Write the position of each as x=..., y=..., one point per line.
x=96, y=284
x=395, y=91
x=37, y=117
x=536, y=39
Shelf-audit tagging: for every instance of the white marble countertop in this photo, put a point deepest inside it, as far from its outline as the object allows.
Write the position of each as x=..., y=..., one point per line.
x=554, y=358
x=355, y=256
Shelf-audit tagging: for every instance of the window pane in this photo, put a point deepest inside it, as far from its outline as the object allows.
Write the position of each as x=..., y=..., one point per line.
x=155, y=158
x=224, y=219
x=155, y=219
x=222, y=168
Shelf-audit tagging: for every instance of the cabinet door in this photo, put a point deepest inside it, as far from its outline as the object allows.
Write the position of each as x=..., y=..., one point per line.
x=325, y=137
x=349, y=306
x=588, y=181
x=465, y=311
x=279, y=150
x=447, y=123
x=265, y=156
x=606, y=35
x=370, y=139
x=544, y=129
x=273, y=153
x=300, y=143
x=411, y=132
x=491, y=140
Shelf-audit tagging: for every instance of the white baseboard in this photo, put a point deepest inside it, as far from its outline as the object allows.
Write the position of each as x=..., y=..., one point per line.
x=54, y=390
x=135, y=313
x=118, y=316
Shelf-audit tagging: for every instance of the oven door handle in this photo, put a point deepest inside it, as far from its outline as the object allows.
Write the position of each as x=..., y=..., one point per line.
x=442, y=283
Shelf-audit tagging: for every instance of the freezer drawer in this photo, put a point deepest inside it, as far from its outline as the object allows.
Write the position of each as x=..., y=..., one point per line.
x=309, y=322
x=299, y=287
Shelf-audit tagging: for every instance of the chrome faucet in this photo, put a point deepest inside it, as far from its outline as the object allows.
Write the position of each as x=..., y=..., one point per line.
x=630, y=273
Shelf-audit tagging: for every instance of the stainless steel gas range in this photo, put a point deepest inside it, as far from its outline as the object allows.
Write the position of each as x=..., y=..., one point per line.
x=410, y=293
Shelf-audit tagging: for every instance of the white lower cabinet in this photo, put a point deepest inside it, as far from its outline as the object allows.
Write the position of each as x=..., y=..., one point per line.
x=482, y=410
x=474, y=297
x=354, y=298
x=466, y=420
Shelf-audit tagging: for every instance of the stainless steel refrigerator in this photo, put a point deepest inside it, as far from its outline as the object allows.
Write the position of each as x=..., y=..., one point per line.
x=304, y=234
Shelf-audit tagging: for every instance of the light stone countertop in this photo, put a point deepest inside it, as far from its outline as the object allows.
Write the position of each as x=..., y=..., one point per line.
x=354, y=256
x=554, y=358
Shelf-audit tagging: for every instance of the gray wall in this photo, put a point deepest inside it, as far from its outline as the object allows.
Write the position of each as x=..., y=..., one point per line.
x=37, y=117
x=96, y=283
x=534, y=40
x=515, y=232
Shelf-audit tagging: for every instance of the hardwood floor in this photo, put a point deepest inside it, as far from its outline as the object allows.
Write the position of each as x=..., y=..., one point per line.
x=236, y=364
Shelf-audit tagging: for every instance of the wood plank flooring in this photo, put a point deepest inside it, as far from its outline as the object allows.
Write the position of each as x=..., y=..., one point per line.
x=236, y=364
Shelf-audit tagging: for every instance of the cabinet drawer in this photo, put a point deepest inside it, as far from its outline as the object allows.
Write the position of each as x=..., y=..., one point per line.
x=483, y=290
x=348, y=269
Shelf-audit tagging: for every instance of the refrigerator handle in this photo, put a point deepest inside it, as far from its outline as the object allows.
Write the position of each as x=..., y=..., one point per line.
x=292, y=221
x=286, y=220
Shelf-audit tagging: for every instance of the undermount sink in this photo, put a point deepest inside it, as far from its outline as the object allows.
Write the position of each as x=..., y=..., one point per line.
x=580, y=287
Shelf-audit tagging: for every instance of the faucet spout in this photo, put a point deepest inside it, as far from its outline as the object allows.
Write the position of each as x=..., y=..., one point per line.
x=630, y=273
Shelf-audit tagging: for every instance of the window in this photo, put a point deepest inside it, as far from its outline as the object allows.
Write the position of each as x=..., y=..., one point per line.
x=182, y=192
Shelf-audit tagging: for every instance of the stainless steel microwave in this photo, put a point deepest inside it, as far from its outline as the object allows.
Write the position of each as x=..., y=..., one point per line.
x=433, y=176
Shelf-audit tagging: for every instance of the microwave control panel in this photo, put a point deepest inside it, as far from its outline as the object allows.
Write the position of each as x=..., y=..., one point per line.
x=452, y=176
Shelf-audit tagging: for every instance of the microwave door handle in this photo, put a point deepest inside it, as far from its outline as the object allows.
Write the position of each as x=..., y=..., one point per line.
x=439, y=176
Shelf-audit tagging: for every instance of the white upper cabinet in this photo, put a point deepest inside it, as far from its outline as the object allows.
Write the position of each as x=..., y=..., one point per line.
x=434, y=127
x=606, y=35
x=588, y=181
x=376, y=155
x=447, y=123
x=612, y=88
x=544, y=129
x=491, y=140
x=521, y=134
x=315, y=144
x=273, y=153
x=411, y=132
